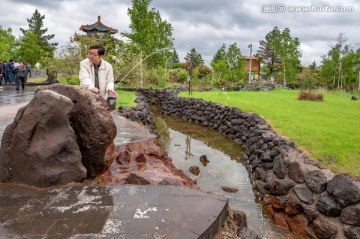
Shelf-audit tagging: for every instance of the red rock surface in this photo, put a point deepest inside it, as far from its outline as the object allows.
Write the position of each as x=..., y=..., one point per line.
x=299, y=225
x=280, y=220
x=145, y=160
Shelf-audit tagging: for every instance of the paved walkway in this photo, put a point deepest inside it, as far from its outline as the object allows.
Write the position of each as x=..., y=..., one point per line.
x=121, y=211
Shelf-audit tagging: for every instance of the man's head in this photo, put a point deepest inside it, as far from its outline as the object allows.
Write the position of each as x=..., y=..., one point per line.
x=96, y=53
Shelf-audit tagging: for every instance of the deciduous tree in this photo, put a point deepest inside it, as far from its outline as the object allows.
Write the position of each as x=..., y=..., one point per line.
x=149, y=32
x=7, y=44
x=334, y=66
x=228, y=65
x=28, y=49
x=280, y=53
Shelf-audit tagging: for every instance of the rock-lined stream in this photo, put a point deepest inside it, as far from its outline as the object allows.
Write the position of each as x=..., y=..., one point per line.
x=185, y=143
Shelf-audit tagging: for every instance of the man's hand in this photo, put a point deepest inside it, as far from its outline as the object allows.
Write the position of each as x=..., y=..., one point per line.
x=95, y=90
x=112, y=93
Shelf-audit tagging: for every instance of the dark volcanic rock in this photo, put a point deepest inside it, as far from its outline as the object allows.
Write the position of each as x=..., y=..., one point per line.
x=328, y=206
x=204, y=160
x=136, y=179
x=316, y=181
x=293, y=205
x=93, y=125
x=39, y=148
x=311, y=212
x=194, y=170
x=351, y=215
x=343, y=190
x=279, y=187
x=296, y=173
x=304, y=194
x=280, y=166
x=352, y=232
x=239, y=218
x=260, y=173
x=323, y=228
x=246, y=233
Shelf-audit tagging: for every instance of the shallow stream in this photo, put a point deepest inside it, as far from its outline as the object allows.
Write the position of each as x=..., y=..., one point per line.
x=185, y=143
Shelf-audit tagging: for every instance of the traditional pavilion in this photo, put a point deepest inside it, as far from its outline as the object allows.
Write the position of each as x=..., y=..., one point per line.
x=97, y=30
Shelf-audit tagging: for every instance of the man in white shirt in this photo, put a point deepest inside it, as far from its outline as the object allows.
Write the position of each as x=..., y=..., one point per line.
x=97, y=74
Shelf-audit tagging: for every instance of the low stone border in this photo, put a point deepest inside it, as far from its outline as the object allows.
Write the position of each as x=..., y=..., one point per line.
x=296, y=192
x=141, y=113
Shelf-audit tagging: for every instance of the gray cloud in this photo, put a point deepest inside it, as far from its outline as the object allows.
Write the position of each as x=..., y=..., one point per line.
x=202, y=24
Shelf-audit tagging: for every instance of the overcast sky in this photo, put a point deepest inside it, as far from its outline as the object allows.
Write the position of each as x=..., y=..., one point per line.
x=201, y=24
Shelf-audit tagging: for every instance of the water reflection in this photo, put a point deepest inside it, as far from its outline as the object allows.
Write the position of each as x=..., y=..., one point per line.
x=185, y=143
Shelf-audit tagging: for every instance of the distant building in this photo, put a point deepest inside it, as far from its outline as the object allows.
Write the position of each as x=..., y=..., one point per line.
x=97, y=30
x=255, y=66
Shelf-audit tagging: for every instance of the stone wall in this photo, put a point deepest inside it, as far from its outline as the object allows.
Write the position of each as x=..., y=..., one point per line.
x=141, y=113
x=296, y=192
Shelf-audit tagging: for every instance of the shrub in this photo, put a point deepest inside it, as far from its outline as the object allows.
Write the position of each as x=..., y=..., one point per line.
x=310, y=96
x=203, y=71
x=157, y=77
x=177, y=65
x=178, y=75
x=70, y=80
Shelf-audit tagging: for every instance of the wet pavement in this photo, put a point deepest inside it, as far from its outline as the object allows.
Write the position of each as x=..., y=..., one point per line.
x=120, y=211
x=123, y=211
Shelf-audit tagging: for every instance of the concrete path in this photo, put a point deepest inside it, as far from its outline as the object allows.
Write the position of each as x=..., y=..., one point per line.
x=121, y=211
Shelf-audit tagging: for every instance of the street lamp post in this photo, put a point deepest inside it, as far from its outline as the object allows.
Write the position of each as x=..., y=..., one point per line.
x=189, y=68
x=250, y=68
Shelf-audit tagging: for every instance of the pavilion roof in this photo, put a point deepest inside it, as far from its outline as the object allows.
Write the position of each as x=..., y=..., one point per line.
x=98, y=27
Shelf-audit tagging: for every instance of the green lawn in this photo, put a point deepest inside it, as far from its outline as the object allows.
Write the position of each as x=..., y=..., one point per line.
x=328, y=131
x=36, y=79
x=125, y=99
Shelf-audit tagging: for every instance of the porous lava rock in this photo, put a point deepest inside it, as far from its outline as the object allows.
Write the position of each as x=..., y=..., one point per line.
x=39, y=147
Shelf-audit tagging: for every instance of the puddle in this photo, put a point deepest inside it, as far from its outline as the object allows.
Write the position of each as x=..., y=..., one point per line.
x=185, y=143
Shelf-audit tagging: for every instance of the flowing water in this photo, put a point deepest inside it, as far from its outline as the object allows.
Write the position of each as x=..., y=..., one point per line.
x=185, y=143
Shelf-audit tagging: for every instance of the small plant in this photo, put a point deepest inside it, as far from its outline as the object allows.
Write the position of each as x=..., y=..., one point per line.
x=69, y=80
x=310, y=96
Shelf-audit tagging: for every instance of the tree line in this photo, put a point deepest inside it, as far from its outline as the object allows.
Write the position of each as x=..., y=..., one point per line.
x=150, y=56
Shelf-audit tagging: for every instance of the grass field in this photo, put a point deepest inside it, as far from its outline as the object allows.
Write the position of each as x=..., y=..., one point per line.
x=328, y=131
x=125, y=99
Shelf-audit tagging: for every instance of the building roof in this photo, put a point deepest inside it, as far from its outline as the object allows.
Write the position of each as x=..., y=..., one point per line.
x=98, y=27
x=252, y=58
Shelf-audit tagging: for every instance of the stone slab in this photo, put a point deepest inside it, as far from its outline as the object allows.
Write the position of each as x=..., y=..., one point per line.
x=121, y=211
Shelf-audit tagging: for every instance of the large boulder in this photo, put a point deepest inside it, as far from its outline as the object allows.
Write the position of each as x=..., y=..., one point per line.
x=343, y=190
x=328, y=206
x=351, y=215
x=39, y=148
x=304, y=194
x=324, y=228
x=93, y=125
x=316, y=181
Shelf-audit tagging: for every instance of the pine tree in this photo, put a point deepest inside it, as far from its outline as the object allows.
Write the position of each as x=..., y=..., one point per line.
x=175, y=57
x=312, y=66
x=220, y=54
x=194, y=57
x=36, y=27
